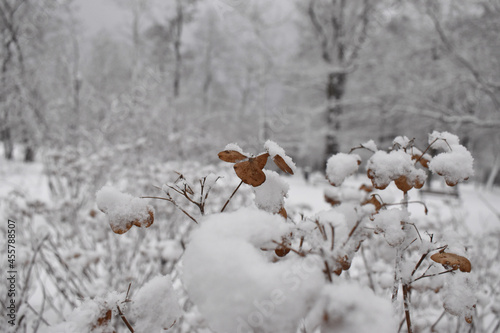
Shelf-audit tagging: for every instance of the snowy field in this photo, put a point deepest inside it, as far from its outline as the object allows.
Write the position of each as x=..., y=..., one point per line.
x=67, y=253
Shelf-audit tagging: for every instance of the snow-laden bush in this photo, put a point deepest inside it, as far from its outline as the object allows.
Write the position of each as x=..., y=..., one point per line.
x=255, y=268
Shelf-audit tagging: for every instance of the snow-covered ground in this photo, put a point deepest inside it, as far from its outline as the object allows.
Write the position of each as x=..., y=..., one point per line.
x=475, y=211
x=480, y=206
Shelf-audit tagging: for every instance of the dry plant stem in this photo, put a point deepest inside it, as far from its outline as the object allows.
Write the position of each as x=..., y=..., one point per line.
x=352, y=232
x=289, y=248
x=406, y=304
x=361, y=147
x=28, y=275
x=227, y=202
x=440, y=273
x=328, y=273
x=425, y=151
x=333, y=237
x=175, y=204
x=395, y=286
x=406, y=292
x=409, y=202
x=368, y=270
x=122, y=316
x=419, y=262
x=321, y=230
x=437, y=321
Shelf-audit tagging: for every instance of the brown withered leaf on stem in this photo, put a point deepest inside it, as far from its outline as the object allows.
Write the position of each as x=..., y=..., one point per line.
x=120, y=228
x=403, y=184
x=366, y=188
x=332, y=201
x=452, y=260
x=250, y=171
x=374, y=202
x=102, y=322
x=231, y=156
x=280, y=162
x=422, y=160
x=148, y=221
x=283, y=212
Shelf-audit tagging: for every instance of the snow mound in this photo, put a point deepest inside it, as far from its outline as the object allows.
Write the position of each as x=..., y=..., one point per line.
x=384, y=167
x=270, y=196
x=389, y=223
x=370, y=145
x=275, y=150
x=340, y=166
x=234, y=283
x=235, y=147
x=124, y=210
x=350, y=308
x=155, y=307
x=455, y=165
x=443, y=140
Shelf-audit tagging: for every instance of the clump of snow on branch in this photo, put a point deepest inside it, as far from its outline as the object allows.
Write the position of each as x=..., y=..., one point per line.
x=270, y=196
x=92, y=315
x=388, y=222
x=235, y=284
x=455, y=165
x=349, y=308
x=340, y=166
x=235, y=147
x=155, y=306
x=460, y=295
x=402, y=141
x=210, y=181
x=385, y=167
x=370, y=145
x=443, y=140
x=124, y=210
x=275, y=150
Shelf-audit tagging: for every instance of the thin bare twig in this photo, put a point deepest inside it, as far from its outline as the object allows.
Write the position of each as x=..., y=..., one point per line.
x=289, y=248
x=227, y=202
x=431, y=275
x=122, y=316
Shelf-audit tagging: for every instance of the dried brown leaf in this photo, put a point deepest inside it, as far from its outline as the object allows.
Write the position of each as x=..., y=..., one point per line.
x=250, y=172
x=403, y=184
x=280, y=162
x=332, y=201
x=453, y=261
x=373, y=200
x=366, y=188
x=120, y=228
x=231, y=156
x=283, y=212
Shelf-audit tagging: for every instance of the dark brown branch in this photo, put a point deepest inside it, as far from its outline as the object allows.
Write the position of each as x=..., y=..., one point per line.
x=227, y=202
x=122, y=316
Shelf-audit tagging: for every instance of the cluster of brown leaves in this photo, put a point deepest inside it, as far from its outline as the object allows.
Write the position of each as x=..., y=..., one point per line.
x=121, y=227
x=249, y=169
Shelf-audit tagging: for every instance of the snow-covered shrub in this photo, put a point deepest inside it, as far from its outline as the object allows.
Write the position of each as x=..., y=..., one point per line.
x=249, y=267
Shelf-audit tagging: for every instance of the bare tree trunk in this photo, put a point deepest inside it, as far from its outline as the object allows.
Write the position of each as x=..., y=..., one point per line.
x=8, y=145
x=340, y=44
x=177, y=48
x=493, y=173
x=335, y=91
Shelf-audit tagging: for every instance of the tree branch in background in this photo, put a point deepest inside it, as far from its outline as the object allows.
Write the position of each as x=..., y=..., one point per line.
x=450, y=47
x=321, y=32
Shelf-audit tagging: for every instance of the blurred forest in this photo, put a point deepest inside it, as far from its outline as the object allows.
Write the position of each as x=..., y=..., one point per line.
x=182, y=78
